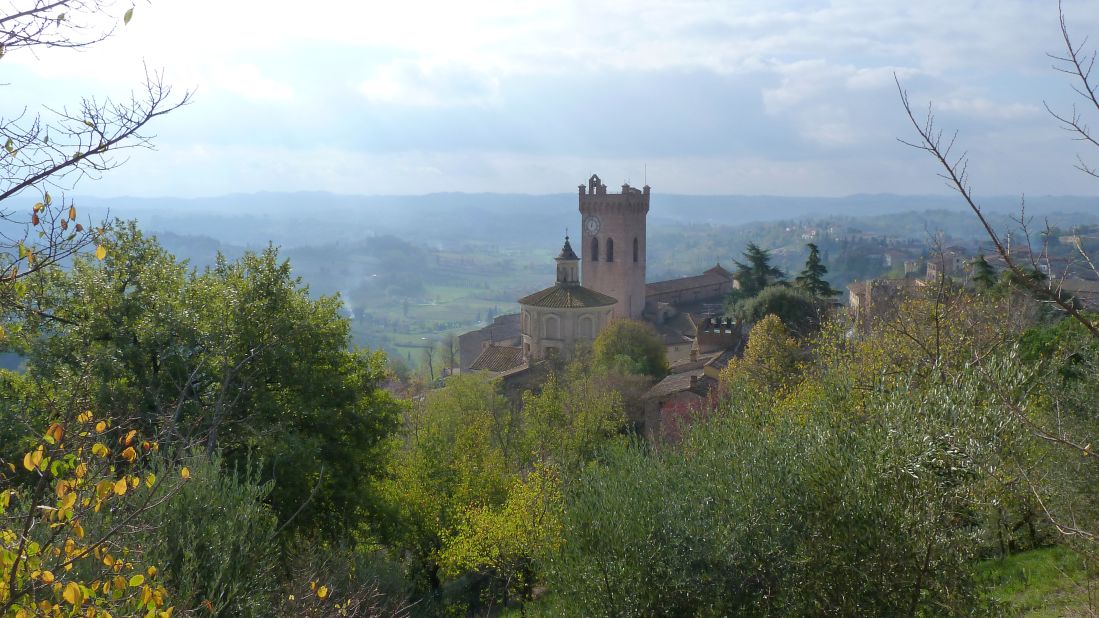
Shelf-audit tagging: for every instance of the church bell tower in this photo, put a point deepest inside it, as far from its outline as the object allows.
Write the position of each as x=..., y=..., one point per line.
x=613, y=245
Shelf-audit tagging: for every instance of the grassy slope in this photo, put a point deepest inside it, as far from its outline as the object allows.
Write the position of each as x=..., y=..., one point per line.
x=1043, y=582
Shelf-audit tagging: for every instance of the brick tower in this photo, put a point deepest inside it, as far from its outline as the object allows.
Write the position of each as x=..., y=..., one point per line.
x=613, y=246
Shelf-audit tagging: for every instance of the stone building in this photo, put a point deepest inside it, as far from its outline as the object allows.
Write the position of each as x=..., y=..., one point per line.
x=878, y=298
x=614, y=244
x=504, y=331
x=552, y=321
x=713, y=283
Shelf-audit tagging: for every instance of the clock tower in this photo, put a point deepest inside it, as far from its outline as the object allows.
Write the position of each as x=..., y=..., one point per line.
x=613, y=245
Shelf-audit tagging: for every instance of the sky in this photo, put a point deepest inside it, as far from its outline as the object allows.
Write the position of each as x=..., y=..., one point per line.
x=776, y=97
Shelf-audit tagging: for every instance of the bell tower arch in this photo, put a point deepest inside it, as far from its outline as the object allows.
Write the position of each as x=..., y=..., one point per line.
x=607, y=220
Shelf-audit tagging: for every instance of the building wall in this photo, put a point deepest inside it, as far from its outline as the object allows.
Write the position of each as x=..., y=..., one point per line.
x=622, y=219
x=551, y=330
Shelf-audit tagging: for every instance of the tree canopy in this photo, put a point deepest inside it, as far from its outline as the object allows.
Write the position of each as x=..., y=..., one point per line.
x=811, y=279
x=237, y=358
x=631, y=346
x=756, y=272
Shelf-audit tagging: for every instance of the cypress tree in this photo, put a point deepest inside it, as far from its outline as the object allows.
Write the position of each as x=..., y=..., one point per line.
x=812, y=278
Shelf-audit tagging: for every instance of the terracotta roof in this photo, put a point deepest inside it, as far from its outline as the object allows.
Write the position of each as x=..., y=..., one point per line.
x=715, y=275
x=681, y=382
x=687, y=364
x=718, y=270
x=498, y=358
x=567, y=297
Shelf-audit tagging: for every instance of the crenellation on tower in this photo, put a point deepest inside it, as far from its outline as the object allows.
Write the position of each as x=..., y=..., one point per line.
x=613, y=246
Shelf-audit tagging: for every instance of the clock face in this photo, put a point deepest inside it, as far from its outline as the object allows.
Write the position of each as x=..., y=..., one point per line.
x=591, y=224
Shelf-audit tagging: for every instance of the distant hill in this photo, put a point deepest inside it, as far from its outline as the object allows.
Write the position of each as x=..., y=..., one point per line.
x=447, y=219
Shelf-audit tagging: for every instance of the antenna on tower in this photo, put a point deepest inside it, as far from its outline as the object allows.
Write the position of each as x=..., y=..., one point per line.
x=646, y=174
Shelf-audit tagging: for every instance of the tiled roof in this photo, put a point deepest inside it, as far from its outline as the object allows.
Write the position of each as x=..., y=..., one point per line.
x=498, y=358
x=714, y=276
x=681, y=382
x=567, y=297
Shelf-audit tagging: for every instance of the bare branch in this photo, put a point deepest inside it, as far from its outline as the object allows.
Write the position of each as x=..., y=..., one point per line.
x=955, y=173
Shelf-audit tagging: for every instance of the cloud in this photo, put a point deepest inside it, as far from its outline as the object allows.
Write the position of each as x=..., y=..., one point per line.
x=732, y=95
x=422, y=84
x=248, y=81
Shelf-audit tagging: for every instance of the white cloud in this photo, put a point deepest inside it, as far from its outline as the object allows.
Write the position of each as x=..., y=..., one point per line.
x=422, y=84
x=249, y=82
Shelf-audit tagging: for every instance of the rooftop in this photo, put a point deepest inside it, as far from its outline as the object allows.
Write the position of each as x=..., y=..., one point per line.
x=567, y=297
x=695, y=381
x=566, y=252
x=715, y=275
x=498, y=359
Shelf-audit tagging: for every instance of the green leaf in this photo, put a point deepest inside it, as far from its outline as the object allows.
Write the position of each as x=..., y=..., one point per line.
x=9, y=145
x=128, y=16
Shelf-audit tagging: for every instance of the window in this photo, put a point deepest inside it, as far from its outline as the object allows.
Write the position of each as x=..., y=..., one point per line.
x=552, y=327
x=586, y=328
x=610, y=249
x=635, y=249
x=594, y=249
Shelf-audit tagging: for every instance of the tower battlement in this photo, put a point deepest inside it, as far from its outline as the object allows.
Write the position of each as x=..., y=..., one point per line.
x=613, y=246
x=595, y=195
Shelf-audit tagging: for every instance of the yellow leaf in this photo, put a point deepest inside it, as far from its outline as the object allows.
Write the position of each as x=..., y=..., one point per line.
x=120, y=487
x=85, y=416
x=32, y=459
x=47, y=577
x=185, y=472
x=72, y=212
x=68, y=501
x=101, y=426
x=130, y=437
x=322, y=592
x=136, y=580
x=150, y=480
x=72, y=594
x=151, y=571
x=129, y=454
x=100, y=252
x=81, y=470
x=99, y=449
x=56, y=431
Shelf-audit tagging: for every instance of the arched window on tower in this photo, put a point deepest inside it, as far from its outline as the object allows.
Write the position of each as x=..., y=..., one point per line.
x=635, y=249
x=610, y=249
x=594, y=249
